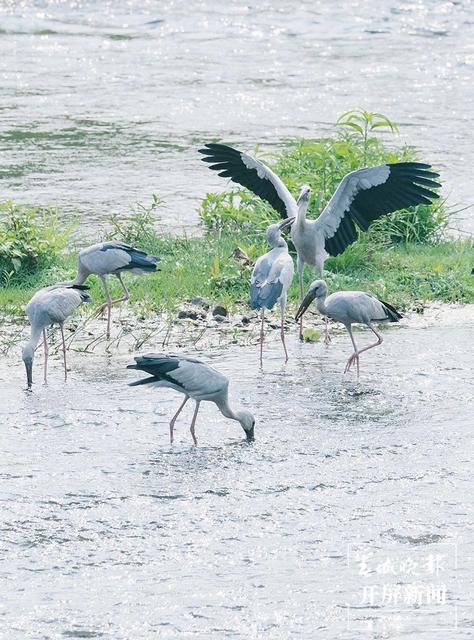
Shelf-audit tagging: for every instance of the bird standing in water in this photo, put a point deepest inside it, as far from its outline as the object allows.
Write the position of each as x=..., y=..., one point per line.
x=361, y=197
x=271, y=278
x=350, y=307
x=195, y=379
x=52, y=305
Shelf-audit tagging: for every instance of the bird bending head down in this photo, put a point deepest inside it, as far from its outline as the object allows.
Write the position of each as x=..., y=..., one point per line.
x=247, y=422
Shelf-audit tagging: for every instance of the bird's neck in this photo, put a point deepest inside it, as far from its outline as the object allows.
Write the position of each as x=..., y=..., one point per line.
x=321, y=305
x=225, y=408
x=301, y=215
x=32, y=343
x=279, y=244
x=81, y=276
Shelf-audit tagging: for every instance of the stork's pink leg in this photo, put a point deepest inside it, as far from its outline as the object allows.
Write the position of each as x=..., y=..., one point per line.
x=46, y=354
x=109, y=302
x=174, y=418
x=64, y=351
x=327, y=337
x=300, y=272
x=355, y=356
x=193, y=423
x=282, y=327
x=261, y=336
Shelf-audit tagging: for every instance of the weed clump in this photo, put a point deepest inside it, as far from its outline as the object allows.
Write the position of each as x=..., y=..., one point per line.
x=30, y=240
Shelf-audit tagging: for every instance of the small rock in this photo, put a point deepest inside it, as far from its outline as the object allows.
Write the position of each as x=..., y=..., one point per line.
x=245, y=320
x=219, y=311
x=186, y=313
x=200, y=302
x=219, y=318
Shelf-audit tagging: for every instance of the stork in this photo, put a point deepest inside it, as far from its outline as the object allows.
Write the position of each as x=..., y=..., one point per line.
x=195, y=379
x=349, y=307
x=50, y=306
x=361, y=197
x=271, y=278
x=112, y=258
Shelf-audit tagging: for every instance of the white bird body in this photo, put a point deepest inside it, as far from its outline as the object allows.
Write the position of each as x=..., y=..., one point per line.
x=361, y=197
x=195, y=379
x=51, y=305
x=112, y=258
x=350, y=307
x=271, y=279
x=107, y=258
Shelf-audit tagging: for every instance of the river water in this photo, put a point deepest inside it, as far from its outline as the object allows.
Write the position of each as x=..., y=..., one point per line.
x=108, y=531
x=104, y=103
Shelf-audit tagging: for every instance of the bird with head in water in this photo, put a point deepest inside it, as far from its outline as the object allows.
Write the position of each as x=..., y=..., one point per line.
x=194, y=379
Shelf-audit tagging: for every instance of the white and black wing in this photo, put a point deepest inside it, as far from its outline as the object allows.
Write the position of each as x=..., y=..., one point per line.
x=270, y=280
x=130, y=258
x=367, y=194
x=251, y=173
x=193, y=377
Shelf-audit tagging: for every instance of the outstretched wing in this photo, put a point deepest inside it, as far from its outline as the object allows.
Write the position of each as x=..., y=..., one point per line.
x=250, y=173
x=367, y=194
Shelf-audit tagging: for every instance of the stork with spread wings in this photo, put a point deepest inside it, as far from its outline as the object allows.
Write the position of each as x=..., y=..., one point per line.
x=361, y=197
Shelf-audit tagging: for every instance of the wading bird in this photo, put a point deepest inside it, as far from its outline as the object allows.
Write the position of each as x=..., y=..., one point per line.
x=271, y=277
x=195, y=380
x=52, y=305
x=361, y=197
x=350, y=307
x=111, y=259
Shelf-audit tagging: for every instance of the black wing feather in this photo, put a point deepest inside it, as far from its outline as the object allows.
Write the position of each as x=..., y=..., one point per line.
x=230, y=160
x=405, y=187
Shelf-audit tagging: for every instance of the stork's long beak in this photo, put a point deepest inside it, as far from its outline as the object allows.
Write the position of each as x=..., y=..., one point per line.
x=29, y=374
x=307, y=300
x=250, y=435
x=287, y=222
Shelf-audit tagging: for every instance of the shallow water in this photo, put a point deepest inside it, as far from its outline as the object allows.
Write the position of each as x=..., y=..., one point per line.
x=104, y=103
x=108, y=531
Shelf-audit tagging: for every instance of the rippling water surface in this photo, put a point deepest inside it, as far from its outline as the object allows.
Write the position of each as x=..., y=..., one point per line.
x=108, y=531
x=104, y=103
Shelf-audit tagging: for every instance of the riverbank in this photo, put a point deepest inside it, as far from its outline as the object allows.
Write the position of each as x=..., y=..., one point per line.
x=408, y=258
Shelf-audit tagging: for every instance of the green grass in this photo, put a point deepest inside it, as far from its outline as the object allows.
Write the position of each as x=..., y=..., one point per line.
x=407, y=275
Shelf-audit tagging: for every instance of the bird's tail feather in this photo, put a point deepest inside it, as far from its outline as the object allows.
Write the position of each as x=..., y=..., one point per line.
x=136, y=383
x=393, y=314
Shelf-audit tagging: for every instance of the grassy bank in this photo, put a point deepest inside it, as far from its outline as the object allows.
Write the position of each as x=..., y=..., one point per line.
x=406, y=258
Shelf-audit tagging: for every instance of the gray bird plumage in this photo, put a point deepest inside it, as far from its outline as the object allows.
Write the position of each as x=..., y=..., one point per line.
x=112, y=258
x=350, y=307
x=195, y=379
x=51, y=305
x=271, y=278
x=361, y=197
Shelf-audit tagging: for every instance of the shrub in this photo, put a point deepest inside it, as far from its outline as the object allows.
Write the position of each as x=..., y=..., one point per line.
x=30, y=240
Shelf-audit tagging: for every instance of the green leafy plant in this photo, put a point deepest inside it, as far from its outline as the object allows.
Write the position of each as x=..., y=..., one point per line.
x=30, y=239
x=138, y=228
x=364, y=123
